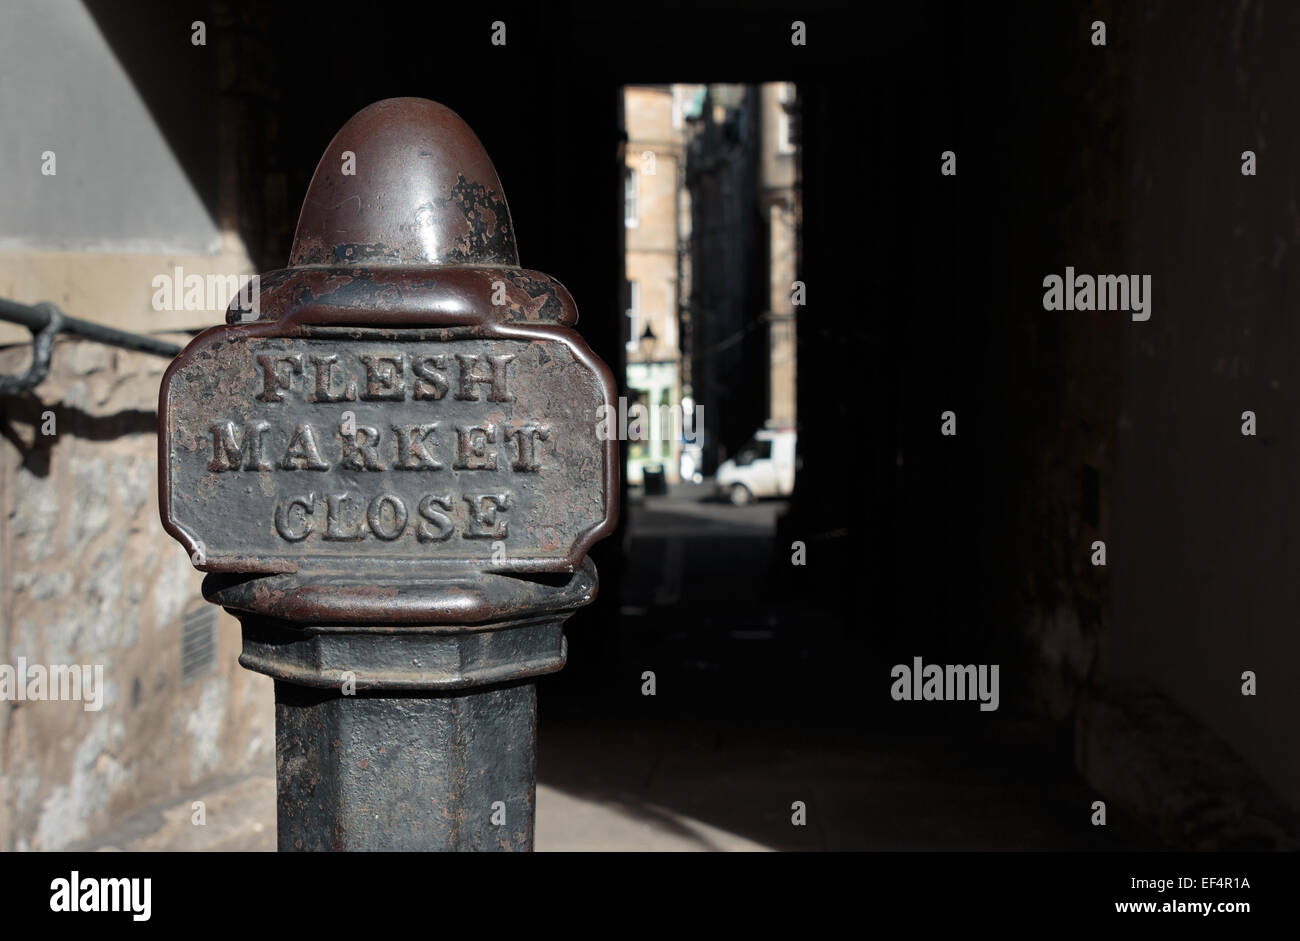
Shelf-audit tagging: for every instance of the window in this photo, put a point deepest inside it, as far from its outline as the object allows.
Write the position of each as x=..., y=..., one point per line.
x=688, y=103
x=669, y=321
x=638, y=436
x=784, y=123
x=629, y=199
x=633, y=315
x=754, y=451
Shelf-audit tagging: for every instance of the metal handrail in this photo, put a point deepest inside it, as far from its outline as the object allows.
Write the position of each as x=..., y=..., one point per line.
x=46, y=321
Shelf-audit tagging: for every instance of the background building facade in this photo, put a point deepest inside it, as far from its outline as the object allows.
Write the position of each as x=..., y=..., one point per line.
x=655, y=269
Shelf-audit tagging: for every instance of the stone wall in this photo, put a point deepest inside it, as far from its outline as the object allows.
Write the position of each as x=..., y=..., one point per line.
x=87, y=576
x=1205, y=556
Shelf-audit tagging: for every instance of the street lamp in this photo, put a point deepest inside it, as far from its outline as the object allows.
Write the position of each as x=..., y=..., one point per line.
x=647, y=342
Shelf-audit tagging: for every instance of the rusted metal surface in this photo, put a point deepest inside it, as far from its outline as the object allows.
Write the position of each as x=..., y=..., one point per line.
x=431, y=414
x=366, y=471
x=454, y=447
x=406, y=772
x=452, y=599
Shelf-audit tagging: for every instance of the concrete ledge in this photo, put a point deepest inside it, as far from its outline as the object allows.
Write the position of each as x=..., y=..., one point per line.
x=1142, y=752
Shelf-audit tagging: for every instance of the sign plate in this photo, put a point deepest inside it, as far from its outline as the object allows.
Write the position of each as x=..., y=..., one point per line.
x=361, y=449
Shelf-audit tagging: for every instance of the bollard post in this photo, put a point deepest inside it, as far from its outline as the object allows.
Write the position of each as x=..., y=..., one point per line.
x=392, y=477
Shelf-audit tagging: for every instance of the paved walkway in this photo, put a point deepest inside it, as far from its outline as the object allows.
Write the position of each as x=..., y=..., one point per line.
x=241, y=817
x=671, y=782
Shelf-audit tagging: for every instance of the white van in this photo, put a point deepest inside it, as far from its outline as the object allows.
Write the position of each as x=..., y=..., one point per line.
x=764, y=467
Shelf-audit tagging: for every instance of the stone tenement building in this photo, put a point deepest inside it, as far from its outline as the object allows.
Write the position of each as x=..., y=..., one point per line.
x=657, y=220
x=712, y=216
x=738, y=325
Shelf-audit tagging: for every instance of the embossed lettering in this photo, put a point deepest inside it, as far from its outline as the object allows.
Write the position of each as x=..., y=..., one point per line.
x=481, y=515
x=468, y=392
x=284, y=522
x=272, y=378
x=361, y=454
x=384, y=377
x=335, y=531
x=471, y=447
x=375, y=516
x=411, y=451
x=302, y=453
x=526, y=445
x=429, y=382
x=326, y=408
x=438, y=517
x=227, y=452
x=325, y=381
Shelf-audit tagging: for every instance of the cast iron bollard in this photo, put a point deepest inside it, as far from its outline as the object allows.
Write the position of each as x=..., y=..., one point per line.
x=378, y=473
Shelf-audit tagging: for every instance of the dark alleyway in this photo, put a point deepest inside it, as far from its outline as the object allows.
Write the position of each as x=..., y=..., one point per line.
x=753, y=711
